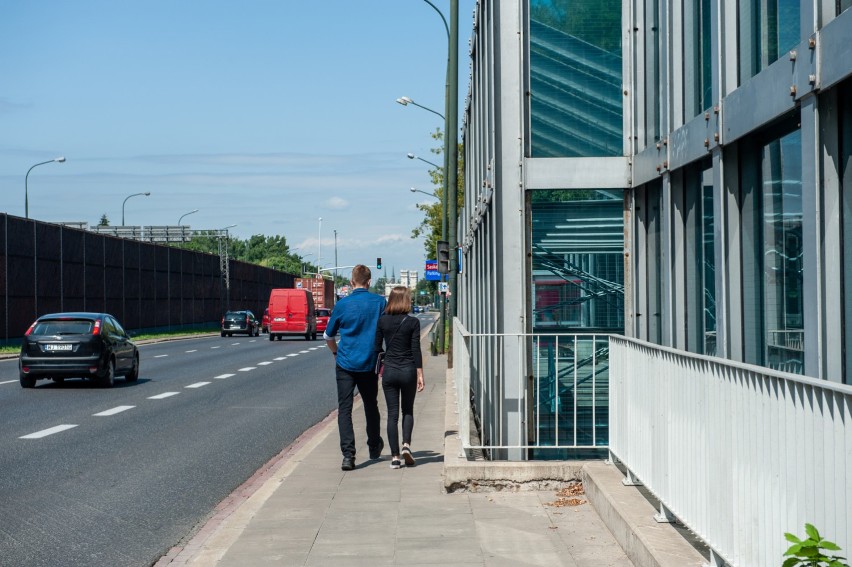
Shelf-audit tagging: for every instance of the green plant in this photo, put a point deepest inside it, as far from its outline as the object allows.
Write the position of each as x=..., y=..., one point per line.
x=809, y=552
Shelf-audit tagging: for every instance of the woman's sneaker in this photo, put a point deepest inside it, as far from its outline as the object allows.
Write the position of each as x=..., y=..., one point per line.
x=395, y=464
x=409, y=458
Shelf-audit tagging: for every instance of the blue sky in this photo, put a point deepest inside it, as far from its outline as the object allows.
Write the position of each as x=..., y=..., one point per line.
x=264, y=114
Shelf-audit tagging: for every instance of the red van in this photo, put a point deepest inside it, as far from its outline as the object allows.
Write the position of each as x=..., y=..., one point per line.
x=291, y=312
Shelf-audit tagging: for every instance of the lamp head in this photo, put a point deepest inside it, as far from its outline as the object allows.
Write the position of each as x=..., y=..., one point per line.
x=60, y=159
x=413, y=190
x=404, y=100
x=411, y=155
x=147, y=193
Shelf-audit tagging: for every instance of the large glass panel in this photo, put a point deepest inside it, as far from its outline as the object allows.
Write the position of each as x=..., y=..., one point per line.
x=773, y=255
x=698, y=64
x=577, y=287
x=578, y=262
x=708, y=262
x=575, y=78
x=767, y=30
x=844, y=97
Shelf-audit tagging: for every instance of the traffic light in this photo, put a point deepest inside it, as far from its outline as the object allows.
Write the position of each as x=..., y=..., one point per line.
x=443, y=249
x=378, y=263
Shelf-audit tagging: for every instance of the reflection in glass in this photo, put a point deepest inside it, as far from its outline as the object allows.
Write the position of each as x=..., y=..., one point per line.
x=708, y=262
x=783, y=302
x=767, y=31
x=575, y=78
x=578, y=265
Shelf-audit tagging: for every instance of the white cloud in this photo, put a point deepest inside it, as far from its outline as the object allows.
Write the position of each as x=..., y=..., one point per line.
x=337, y=204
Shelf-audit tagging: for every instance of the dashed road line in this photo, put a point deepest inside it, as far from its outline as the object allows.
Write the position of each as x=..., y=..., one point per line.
x=246, y=369
x=223, y=376
x=234, y=344
x=193, y=350
x=8, y=381
x=161, y=356
x=276, y=358
x=164, y=395
x=264, y=363
x=216, y=347
x=113, y=411
x=293, y=354
x=304, y=351
x=313, y=348
x=198, y=385
x=46, y=432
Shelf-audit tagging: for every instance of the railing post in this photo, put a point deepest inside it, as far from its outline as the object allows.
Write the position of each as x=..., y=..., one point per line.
x=664, y=516
x=630, y=480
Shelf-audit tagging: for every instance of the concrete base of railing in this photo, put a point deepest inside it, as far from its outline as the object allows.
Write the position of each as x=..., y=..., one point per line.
x=630, y=518
x=624, y=510
x=464, y=475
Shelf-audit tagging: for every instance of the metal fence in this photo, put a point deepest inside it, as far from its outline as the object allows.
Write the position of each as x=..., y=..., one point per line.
x=46, y=268
x=557, y=402
x=740, y=454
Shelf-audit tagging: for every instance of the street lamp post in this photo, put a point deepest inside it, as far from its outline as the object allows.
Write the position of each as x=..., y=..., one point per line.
x=146, y=193
x=186, y=214
x=412, y=156
x=405, y=101
x=334, y=286
x=319, y=249
x=413, y=190
x=26, y=184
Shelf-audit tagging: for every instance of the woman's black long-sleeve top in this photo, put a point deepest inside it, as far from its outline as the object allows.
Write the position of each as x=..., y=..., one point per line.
x=403, y=334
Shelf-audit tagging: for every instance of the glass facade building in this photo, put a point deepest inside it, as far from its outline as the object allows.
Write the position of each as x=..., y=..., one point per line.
x=674, y=171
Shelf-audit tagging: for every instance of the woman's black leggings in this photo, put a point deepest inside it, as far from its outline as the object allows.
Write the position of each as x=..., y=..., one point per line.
x=399, y=383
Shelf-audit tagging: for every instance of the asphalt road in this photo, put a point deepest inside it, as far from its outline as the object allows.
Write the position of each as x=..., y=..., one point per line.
x=122, y=488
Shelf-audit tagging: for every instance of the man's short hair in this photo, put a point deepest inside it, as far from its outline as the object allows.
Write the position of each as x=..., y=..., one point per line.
x=361, y=275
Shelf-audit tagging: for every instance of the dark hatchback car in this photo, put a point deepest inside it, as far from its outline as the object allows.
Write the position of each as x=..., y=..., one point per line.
x=240, y=322
x=85, y=345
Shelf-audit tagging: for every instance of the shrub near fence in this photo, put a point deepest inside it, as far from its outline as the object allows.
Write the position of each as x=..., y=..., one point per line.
x=46, y=268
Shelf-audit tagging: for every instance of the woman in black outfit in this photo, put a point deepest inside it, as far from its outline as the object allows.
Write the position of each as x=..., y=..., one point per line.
x=403, y=369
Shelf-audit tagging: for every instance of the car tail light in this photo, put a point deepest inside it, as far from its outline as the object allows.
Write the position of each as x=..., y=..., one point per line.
x=30, y=330
x=247, y=319
x=97, y=329
x=223, y=320
x=25, y=369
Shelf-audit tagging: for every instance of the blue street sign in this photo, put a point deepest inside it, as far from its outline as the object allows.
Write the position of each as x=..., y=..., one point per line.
x=431, y=272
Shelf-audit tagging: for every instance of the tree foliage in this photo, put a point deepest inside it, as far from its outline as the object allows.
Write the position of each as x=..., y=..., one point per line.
x=431, y=225
x=269, y=251
x=104, y=220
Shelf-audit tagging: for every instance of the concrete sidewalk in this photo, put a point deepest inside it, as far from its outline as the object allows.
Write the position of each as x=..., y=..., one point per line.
x=303, y=510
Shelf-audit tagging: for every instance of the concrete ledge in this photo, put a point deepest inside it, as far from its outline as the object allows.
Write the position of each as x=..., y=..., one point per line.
x=630, y=518
x=463, y=475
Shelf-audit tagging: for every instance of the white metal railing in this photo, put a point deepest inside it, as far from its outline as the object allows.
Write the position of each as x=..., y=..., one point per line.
x=740, y=454
x=532, y=391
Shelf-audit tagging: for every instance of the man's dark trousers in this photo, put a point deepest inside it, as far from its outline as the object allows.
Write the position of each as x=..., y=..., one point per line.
x=368, y=387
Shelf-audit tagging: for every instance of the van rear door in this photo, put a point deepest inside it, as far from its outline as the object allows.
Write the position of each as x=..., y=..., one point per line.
x=297, y=308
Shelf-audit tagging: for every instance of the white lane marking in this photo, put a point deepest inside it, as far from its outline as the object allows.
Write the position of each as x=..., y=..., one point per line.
x=304, y=351
x=198, y=385
x=161, y=356
x=164, y=395
x=246, y=369
x=276, y=358
x=215, y=347
x=46, y=432
x=253, y=340
x=293, y=354
x=113, y=411
x=223, y=376
x=264, y=363
x=313, y=348
x=8, y=381
x=234, y=344
x=194, y=350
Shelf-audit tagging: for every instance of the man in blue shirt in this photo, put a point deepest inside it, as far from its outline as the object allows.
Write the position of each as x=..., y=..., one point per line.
x=356, y=317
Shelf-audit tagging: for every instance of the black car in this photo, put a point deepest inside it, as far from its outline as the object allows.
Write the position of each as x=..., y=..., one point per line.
x=240, y=322
x=85, y=345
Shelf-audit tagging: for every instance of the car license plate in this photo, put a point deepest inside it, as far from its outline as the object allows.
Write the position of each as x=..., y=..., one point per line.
x=58, y=347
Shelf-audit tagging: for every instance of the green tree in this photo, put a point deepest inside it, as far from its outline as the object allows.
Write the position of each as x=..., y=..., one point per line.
x=104, y=220
x=430, y=227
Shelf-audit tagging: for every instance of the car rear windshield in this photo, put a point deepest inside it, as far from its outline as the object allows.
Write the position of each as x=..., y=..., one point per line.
x=64, y=327
x=235, y=315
